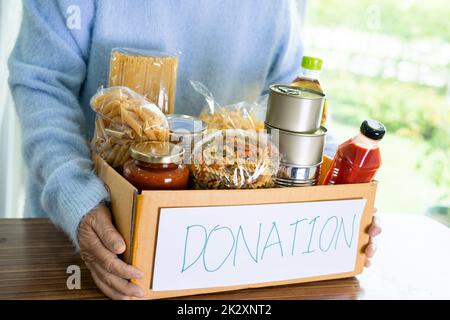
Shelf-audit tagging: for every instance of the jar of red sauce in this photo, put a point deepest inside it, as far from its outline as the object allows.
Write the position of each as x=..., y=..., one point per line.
x=358, y=159
x=156, y=166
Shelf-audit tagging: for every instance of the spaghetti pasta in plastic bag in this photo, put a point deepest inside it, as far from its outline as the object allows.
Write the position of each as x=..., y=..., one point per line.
x=124, y=117
x=242, y=115
x=234, y=159
x=152, y=74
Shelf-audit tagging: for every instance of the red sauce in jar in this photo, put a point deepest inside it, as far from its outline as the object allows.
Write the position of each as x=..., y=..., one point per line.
x=156, y=176
x=358, y=159
x=353, y=164
x=156, y=166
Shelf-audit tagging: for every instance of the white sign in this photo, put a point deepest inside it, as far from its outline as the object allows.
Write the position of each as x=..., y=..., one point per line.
x=218, y=246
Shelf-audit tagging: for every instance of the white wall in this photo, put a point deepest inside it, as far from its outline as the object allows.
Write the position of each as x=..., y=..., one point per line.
x=11, y=163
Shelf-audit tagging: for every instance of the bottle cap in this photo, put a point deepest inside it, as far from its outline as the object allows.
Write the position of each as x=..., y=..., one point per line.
x=373, y=129
x=312, y=63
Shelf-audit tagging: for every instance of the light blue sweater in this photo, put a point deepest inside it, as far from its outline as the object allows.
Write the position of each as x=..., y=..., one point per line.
x=237, y=48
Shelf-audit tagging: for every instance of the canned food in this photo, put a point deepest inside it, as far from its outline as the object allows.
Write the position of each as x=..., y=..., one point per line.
x=299, y=149
x=294, y=109
x=297, y=176
x=186, y=131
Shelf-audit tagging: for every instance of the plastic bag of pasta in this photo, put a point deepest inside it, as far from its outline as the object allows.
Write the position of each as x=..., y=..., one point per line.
x=150, y=73
x=234, y=159
x=124, y=117
x=242, y=115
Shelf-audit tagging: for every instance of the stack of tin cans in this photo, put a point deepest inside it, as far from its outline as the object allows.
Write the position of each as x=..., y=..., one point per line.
x=293, y=120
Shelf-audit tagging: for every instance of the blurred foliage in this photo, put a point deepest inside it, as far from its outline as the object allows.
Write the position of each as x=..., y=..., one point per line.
x=408, y=19
x=407, y=109
x=418, y=112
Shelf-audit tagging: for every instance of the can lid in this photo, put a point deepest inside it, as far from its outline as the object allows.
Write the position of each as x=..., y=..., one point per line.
x=184, y=124
x=317, y=133
x=373, y=129
x=157, y=152
x=311, y=63
x=297, y=92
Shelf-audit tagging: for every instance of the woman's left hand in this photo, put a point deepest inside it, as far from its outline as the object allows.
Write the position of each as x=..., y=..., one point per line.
x=374, y=230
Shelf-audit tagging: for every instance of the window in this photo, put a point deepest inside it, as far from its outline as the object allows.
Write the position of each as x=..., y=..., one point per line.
x=390, y=60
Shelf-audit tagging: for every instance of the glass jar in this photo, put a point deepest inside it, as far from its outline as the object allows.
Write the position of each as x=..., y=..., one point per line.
x=156, y=166
x=185, y=131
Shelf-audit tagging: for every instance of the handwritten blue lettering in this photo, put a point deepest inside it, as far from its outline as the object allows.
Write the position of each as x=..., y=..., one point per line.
x=188, y=228
x=334, y=233
x=295, y=234
x=313, y=221
x=215, y=229
x=274, y=227
x=241, y=232
x=342, y=227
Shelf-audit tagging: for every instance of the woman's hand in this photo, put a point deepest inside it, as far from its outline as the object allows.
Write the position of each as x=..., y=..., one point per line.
x=374, y=230
x=100, y=243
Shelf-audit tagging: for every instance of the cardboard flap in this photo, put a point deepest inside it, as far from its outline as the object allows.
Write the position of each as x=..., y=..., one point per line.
x=123, y=196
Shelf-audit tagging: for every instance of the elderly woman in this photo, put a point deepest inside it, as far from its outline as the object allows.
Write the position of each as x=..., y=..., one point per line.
x=237, y=48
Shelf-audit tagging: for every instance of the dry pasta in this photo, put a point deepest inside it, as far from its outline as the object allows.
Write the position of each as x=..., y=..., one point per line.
x=242, y=115
x=234, y=159
x=151, y=74
x=231, y=117
x=123, y=118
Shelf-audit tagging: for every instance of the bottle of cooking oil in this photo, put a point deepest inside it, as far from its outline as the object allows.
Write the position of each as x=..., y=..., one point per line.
x=310, y=78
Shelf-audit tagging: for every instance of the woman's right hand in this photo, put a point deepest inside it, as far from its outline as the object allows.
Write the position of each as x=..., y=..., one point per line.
x=100, y=243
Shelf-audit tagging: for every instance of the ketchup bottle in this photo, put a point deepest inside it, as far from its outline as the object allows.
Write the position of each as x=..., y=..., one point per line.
x=358, y=159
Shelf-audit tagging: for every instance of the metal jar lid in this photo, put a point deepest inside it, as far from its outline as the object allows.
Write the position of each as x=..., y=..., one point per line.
x=294, y=108
x=157, y=152
x=181, y=124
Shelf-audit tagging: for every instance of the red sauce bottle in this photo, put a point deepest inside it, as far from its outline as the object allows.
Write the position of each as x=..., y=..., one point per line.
x=358, y=159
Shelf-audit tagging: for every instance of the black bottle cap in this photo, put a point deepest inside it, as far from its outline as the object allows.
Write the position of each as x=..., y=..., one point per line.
x=373, y=129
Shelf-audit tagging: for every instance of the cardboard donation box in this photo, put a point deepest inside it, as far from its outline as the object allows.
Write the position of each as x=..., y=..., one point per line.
x=200, y=241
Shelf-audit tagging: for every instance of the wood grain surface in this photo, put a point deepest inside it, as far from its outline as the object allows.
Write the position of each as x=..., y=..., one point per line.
x=413, y=262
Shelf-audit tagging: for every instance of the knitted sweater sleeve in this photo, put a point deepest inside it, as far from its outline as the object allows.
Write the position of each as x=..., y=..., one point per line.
x=47, y=69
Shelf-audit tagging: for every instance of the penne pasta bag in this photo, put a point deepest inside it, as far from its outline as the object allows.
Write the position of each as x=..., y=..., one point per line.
x=124, y=117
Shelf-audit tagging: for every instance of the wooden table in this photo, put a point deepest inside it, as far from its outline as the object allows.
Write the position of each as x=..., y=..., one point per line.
x=412, y=262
